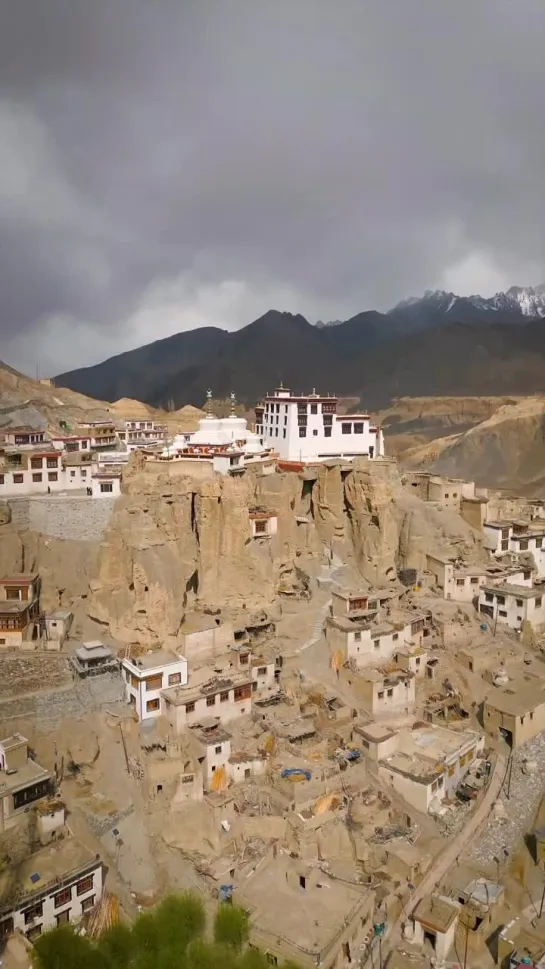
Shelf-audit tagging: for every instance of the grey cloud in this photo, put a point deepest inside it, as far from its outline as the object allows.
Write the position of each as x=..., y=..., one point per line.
x=339, y=156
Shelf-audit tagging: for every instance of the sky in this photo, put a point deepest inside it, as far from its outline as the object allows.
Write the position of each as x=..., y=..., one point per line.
x=166, y=165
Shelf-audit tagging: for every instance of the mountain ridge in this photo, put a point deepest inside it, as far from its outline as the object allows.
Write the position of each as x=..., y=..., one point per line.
x=437, y=344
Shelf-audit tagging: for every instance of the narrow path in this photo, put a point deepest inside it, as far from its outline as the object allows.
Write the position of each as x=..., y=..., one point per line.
x=450, y=853
x=325, y=577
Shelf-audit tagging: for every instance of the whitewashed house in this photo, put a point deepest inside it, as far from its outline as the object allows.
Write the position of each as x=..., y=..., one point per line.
x=147, y=676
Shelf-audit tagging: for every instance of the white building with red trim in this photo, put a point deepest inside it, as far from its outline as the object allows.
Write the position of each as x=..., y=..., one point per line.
x=307, y=428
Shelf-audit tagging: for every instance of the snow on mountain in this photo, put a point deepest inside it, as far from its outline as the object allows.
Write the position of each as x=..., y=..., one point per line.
x=518, y=300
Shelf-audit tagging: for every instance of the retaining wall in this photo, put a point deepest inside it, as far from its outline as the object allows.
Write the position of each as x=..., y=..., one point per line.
x=73, y=518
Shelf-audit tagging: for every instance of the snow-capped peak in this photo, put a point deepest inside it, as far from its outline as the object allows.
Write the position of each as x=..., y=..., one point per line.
x=524, y=300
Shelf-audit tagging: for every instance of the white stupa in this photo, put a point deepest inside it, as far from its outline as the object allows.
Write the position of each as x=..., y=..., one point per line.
x=214, y=431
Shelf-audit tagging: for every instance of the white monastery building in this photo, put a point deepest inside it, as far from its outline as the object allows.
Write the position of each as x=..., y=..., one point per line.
x=307, y=428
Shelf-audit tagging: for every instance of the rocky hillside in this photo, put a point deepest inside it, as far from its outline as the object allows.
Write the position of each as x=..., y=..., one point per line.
x=507, y=450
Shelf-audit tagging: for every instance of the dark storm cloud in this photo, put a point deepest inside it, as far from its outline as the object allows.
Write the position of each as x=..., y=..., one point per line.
x=171, y=164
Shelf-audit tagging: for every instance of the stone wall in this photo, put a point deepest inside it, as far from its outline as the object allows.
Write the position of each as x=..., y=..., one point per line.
x=50, y=708
x=74, y=518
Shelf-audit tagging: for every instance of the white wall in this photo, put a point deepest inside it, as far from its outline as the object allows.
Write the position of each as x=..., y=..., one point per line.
x=514, y=610
x=99, y=484
x=263, y=676
x=224, y=712
x=140, y=694
x=283, y=434
x=48, y=919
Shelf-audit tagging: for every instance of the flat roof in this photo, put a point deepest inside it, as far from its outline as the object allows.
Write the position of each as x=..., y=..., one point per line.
x=52, y=865
x=374, y=732
x=519, y=591
x=437, y=912
x=93, y=651
x=206, y=682
x=517, y=698
x=153, y=659
x=211, y=735
x=197, y=622
x=23, y=579
x=306, y=919
x=29, y=773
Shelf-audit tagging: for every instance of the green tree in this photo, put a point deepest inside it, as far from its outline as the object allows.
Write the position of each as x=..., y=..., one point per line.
x=61, y=948
x=231, y=926
x=117, y=946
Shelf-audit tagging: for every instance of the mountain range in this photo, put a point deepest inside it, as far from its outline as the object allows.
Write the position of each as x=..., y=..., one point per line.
x=439, y=344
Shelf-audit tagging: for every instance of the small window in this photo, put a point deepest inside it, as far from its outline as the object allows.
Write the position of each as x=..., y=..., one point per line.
x=539, y=542
x=539, y=600
x=88, y=903
x=381, y=694
x=376, y=644
x=36, y=478
x=52, y=476
x=357, y=637
x=302, y=432
x=389, y=692
x=460, y=581
x=152, y=705
x=85, y=885
x=34, y=912
x=52, y=462
x=62, y=898
x=224, y=697
x=503, y=613
x=174, y=679
x=489, y=597
x=347, y=427
x=18, y=478
x=190, y=708
x=474, y=581
x=217, y=750
x=211, y=701
x=315, y=433
x=63, y=917
x=395, y=637
x=106, y=487
x=314, y=408
x=417, y=660
x=327, y=432
x=358, y=427
x=262, y=671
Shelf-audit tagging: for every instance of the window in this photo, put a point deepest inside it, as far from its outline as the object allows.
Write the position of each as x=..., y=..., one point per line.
x=36, y=463
x=523, y=544
x=1, y=479
x=63, y=917
x=243, y=660
x=36, y=478
x=539, y=542
x=284, y=432
x=539, y=600
x=357, y=637
x=6, y=927
x=380, y=694
x=503, y=613
x=88, y=903
x=85, y=885
x=532, y=715
x=34, y=912
x=211, y=701
x=217, y=750
x=519, y=603
x=302, y=432
x=260, y=527
x=474, y=581
x=262, y=671
x=314, y=408
x=152, y=705
x=315, y=433
x=224, y=697
x=52, y=462
x=243, y=692
x=389, y=692
x=106, y=487
x=460, y=581
x=52, y=476
x=327, y=432
x=84, y=474
x=154, y=682
x=504, y=544
x=501, y=600
x=489, y=597
x=417, y=660
x=395, y=637
x=34, y=933
x=18, y=478
x=174, y=679
x=358, y=427
x=190, y=708
x=376, y=644
x=62, y=898
x=527, y=575
x=347, y=427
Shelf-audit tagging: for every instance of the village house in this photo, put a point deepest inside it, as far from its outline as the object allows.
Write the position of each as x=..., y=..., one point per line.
x=360, y=641
x=300, y=914
x=434, y=920
x=93, y=658
x=205, y=635
x=73, y=443
x=78, y=468
x=265, y=665
x=521, y=943
x=210, y=693
x=106, y=484
x=382, y=694
x=22, y=780
x=448, y=492
x=19, y=608
x=512, y=604
x=141, y=434
x=23, y=436
x=307, y=428
x=57, y=884
x=102, y=434
x=428, y=763
x=147, y=676
x=263, y=523
x=55, y=627
x=462, y=583
x=30, y=471
x=519, y=538
x=213, y=749
x=516, y=711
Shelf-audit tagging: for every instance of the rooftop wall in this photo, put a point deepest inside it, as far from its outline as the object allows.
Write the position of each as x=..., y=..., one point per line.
x=71, y=518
